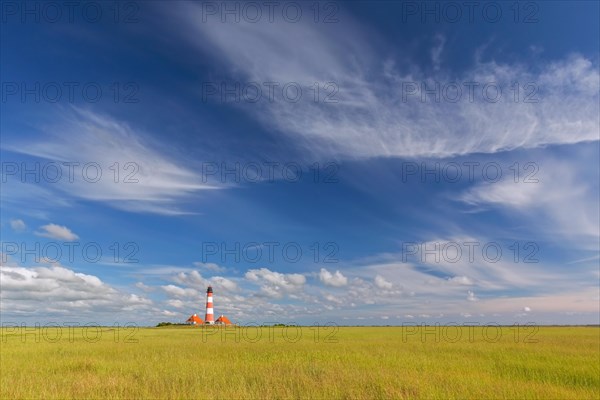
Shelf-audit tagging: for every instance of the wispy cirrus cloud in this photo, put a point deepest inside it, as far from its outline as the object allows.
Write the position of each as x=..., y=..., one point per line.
x=18, y=225
x=561, y=201
x=149, y=180
x=436, y=51
x=374, y=117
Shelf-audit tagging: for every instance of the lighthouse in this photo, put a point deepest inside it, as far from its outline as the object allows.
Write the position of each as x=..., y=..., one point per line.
x=209, y=318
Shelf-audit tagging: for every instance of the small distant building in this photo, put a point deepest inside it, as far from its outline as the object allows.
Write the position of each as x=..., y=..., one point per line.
x=195, y=320
x=223, y=320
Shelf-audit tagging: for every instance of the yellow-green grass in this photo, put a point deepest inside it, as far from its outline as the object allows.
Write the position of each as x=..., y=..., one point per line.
x=353, y=362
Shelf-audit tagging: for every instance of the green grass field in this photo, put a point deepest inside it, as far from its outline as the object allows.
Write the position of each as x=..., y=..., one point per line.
x=352, y=362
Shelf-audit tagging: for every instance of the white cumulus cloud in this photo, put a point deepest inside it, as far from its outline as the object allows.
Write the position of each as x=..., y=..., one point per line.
x=55, y=290
x=336, y=279
x=59, y=232
x=179, y=292
x=276, y=284
x=382, y=283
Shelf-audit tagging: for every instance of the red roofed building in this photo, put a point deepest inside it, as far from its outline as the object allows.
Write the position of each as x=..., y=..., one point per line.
x=223, y=320
x=195, y=320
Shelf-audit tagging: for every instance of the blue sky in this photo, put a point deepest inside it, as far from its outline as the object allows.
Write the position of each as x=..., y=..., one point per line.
x=368, y=164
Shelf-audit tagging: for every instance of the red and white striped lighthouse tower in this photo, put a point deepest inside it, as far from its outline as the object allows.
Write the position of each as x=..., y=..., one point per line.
x=209, y=318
